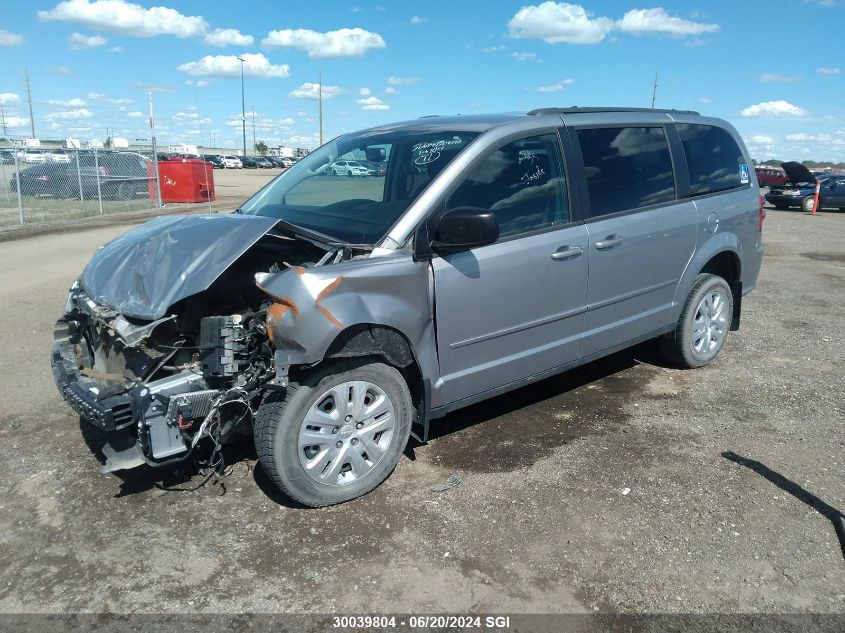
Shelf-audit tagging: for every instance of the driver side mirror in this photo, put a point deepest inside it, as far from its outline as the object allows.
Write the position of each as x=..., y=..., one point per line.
x=464, y=228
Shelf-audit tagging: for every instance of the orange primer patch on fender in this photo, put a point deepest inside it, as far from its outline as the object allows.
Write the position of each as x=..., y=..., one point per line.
x=323, y=294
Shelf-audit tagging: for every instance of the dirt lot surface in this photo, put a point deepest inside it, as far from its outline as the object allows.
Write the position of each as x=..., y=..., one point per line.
x=622, y=486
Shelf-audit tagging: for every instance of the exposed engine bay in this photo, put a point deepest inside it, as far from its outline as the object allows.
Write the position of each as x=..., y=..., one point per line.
x=178, y=381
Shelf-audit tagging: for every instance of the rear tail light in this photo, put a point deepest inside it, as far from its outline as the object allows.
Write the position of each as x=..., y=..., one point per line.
x=44, y=177
x=761, y=214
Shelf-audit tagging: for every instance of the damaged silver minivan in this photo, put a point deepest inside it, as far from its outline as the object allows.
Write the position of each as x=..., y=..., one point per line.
x=333, y=317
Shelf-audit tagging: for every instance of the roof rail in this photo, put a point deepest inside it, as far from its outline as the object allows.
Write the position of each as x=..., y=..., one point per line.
x=576, y=110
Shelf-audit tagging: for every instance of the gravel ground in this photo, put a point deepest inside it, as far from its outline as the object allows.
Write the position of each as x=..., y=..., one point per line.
x=623, y=486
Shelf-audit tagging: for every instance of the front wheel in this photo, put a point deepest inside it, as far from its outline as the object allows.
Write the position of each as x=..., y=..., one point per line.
x=808, y=204
x=703, y=325
x=337, y=434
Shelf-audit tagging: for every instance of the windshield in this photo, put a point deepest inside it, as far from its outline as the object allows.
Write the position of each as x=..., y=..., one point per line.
x=323, y=193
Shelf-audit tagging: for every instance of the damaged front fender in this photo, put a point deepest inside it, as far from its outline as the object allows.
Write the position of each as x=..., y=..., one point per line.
x=313, y=306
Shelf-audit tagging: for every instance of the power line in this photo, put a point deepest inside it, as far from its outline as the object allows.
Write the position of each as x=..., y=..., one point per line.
x=320, y=87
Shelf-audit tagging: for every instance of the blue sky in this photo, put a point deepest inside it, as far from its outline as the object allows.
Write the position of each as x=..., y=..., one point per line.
x=776, y=70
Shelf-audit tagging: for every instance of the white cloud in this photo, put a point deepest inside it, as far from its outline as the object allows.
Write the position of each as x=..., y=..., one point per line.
x=78, y=41
x=10, y=99
x=67, y=103
x=555, y=87
x=526, y=57
x=561, y=22
x=558, y=22
x=119, y=16
x=774, y=108
x=373, y=103
x=17, y=121
x=399, y=81
x=312, y=91
x=761, y=139
x=645, y=21
x=811, y=138
x=59, y=70
x=771, y=77
x=418, y=20
x=705, y=100
x=364, y=92
x=255, y=65
x=63, y=115
x=341, y=43
x=494, y=49
x=828, y=71
x=10, y=39
x=115, y=49
x=228, y=37
x=101, y=98
x=199, y=83
x=390, y=90
x=135, y=114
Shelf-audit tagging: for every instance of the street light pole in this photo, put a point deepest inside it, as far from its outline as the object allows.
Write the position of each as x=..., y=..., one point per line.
x=243, y=103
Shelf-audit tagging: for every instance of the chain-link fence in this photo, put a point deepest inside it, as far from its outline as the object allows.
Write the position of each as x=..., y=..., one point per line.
x=52, y=185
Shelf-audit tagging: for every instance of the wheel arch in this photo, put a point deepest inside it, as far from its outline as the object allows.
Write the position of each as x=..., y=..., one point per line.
x=378, y=341
x=719, y=256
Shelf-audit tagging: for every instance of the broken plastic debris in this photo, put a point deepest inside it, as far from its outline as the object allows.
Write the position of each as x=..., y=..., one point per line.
x=625, y=491
x=453, y=481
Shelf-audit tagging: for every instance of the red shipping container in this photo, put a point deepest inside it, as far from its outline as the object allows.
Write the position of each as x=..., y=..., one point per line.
x=186, y=180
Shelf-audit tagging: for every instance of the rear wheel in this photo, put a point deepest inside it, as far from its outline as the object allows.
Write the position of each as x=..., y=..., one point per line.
x=703, y=325
x=334, y=172
x=337, y=434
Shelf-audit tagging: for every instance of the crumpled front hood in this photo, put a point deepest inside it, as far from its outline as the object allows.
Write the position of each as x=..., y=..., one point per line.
x=146, y=270
x=796, y=172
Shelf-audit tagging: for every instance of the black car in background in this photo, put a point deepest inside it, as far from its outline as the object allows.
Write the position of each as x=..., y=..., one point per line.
x=214, y=159
x=249, y=162
x=122, y=176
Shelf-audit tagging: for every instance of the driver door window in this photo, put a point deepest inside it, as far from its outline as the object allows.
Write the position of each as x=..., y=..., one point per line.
x=522, y=183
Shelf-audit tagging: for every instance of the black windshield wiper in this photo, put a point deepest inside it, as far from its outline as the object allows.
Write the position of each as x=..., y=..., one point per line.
x=310, y=234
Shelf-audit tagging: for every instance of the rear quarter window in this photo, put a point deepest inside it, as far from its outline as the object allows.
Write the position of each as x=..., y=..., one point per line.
x=626, y=168
x=713, y=158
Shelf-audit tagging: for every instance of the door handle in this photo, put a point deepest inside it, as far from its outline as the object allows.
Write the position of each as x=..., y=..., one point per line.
x=611, y=241
x=567, y=252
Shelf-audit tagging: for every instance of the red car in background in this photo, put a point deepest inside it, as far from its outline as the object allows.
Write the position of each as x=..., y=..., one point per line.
x=771, y=176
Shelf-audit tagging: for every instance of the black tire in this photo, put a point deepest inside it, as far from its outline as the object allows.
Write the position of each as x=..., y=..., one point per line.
x=808, y=203
x=678, y=346
x=280, y=417
x=782, y=207
x=334, y=173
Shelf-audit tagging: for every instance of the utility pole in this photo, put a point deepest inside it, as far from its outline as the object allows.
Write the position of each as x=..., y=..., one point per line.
x=29, y=99
x=243, y=102
x=155, y=155
x=3, y=120
x=654, y=91
x=253, y=128
x=320, y=88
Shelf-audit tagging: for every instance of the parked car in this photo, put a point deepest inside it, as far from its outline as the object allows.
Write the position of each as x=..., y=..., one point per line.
x=122, y=176
x=7, y=156
x=59, y=156
x=232, y=162
x=800, y=191
x=263, y=162
x=307, y=317
x=770, y=177
x=215, y=160
x=374, y=169
x=32, y=156
x=348, y=168
x=249, y=162
x=277, y=161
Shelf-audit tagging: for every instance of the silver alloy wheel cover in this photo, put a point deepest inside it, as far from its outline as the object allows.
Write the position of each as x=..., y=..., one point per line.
x=346, y=433
x=710, y=324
